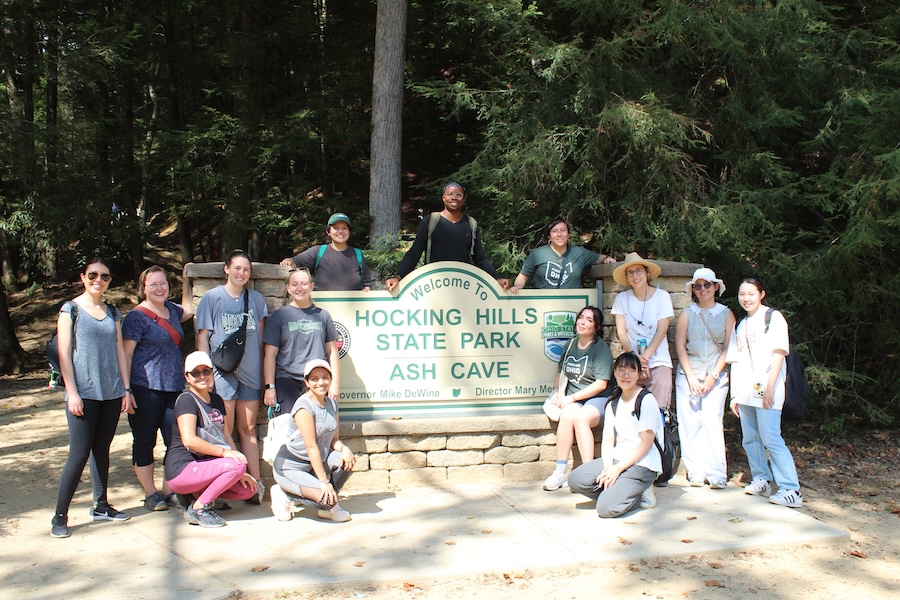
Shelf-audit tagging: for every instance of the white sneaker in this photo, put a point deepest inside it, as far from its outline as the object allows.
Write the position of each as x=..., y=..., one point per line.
x=758, y=487
x=282, y=508
x=718, y=484
x=336, y=514
x=696, y=482
x=789, y=498
x=555, y=481
x=648, y=499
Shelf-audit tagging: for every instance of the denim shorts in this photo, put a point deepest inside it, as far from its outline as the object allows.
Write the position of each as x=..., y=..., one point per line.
x=230, y=388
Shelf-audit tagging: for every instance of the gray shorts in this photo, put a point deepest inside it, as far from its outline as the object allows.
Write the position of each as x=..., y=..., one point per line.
x=230, y=388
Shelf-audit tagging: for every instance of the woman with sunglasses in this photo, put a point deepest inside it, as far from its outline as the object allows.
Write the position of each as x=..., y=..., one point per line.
x=314, y=464
x=756, y=351
x=622, y=478
x=152, y=335
x=96, y=377
x=702, y=334
x=643, y=314
x=220, y=313
x=581, y=389
x=297, y=333
x=202, y=463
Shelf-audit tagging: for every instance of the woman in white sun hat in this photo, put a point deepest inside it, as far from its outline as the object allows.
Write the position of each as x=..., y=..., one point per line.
x=642, y=314
x=701, y=380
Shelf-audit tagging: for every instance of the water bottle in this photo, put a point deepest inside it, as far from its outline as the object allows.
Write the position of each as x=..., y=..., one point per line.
x=642, y=347
x=54, y=380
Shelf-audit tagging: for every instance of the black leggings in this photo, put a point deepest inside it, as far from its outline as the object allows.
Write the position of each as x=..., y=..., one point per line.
x=90, y=435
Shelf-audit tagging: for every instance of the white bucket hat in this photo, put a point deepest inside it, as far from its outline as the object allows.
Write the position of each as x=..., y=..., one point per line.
x=705, y=274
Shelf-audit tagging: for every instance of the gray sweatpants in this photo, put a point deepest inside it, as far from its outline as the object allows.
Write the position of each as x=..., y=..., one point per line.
x=621, y=497
x=292, y=474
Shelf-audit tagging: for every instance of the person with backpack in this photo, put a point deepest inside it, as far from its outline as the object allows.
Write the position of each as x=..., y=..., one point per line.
x=336, y=266
x=296, y=334
x=580, y=391
x=97, y=382
x=202, y=463
x=702, y=334
x=313, y=465
x=630, y=459
x=558, y=265
x=757, y=351
x=224, y=312
x=447, y=235
x=152, y=335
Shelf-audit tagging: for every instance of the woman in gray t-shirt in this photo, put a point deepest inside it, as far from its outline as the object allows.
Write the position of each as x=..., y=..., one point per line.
x=92, y=363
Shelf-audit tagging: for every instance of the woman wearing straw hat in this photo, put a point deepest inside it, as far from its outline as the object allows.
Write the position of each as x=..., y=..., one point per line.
x=701, y=380
x=643, y=313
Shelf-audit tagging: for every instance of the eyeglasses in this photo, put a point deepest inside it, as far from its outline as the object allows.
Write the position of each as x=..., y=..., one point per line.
x=626, y=371
x=156, y=286
x=104, y=277
x=634, y=272
x=702, y=286
x=198, y=373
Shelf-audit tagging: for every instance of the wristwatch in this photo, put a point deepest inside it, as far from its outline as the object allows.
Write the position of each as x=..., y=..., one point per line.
x=270, y=386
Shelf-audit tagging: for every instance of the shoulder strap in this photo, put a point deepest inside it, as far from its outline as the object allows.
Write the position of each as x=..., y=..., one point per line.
x=163, y=323
x=769, y=312
x=206, y=420
x=246, y=307
x=433, y=221
x=362, y=271
x=711, y=334
x=319, y=256
x=474, y=225
x=73, y=313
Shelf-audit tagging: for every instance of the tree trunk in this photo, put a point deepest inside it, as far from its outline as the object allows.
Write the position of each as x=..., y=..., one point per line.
x=387, y=121
x=12, y=357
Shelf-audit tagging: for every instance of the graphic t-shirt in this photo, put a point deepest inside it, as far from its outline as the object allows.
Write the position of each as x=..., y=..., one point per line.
x=548, y=270
x=584, y=367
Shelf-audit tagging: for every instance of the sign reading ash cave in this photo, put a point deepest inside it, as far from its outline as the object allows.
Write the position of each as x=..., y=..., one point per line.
x=449, y=340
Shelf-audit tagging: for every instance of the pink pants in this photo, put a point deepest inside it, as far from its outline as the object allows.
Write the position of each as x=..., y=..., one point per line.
x=214, y=478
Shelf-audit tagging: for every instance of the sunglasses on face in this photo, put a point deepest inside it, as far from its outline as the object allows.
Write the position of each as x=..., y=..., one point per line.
x=104, y=277
x=702, y=286
x=198, y=373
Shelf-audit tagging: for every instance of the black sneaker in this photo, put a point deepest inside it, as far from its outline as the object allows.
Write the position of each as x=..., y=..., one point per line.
x=60, y=527
x=155, y=502
x=204, y=516
x=102, y=511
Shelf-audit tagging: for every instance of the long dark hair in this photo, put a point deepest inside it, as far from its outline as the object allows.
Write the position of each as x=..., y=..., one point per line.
x=93, y=261
x=598, y=321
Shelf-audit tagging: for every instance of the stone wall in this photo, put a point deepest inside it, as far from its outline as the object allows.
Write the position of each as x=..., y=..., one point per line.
x=434, y=451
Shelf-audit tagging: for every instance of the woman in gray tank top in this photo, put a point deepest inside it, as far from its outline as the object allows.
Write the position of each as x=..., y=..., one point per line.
x=92, y=362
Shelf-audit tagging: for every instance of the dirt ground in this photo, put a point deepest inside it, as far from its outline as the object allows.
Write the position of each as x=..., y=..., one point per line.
x=851, y=482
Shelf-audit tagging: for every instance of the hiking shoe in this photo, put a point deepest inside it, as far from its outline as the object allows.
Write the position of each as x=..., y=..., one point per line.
x=648, y=499
x=156, y=502
x=60, y=526
x=204, y=516
x=282, y=508
x=260, y=494
x=102, y=511
x=336, y=514
x=555, y=481
x=718, y=484
x=172, y=500
x=758, y=487
x=789, y=498
x=218, y=504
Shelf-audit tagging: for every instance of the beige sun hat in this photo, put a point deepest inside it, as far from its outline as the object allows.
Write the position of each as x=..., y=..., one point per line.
x=633, y=258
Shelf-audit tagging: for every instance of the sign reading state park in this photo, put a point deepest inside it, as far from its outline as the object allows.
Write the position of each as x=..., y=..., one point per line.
x=450, y=340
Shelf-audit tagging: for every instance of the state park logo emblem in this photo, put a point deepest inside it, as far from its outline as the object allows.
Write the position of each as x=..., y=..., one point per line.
x=343, y=340
x=557, y=329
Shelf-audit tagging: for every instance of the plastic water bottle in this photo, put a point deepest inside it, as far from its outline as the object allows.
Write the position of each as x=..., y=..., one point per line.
x=642, y=347
x=54, y=380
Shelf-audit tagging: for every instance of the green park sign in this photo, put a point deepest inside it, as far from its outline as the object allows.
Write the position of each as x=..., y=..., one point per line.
x=450, y=340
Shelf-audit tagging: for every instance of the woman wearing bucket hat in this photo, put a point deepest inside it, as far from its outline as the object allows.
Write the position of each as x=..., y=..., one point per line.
x=337, y=266
x=314, y=464
x=642, y=314
x=701, y=380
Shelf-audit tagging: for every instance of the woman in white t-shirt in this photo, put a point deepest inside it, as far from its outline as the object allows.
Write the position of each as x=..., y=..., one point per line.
x=643, y=314
x=756, y=352
x=622, y=478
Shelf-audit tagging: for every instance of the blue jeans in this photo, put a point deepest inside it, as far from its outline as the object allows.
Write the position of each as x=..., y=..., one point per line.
x=762, y=431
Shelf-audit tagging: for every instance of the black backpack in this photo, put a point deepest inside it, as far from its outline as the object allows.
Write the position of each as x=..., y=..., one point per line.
x=670, y=450
x=795, y=386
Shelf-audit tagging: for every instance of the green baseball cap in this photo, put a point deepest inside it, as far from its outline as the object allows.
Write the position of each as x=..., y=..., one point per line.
x=338, y=217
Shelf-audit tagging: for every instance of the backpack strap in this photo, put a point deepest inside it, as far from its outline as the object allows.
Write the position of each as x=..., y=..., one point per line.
x=362, y=271
x=319, y=256
x=474, y=225
x=769, y=312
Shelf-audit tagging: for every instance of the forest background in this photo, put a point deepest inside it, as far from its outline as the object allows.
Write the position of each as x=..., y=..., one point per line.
x=755, y=137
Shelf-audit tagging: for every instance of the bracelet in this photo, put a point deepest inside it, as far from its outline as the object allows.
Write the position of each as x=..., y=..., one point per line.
x=324, y=481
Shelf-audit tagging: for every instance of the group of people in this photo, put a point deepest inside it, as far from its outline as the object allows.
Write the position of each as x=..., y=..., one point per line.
x=707, y=340
x=112, y=365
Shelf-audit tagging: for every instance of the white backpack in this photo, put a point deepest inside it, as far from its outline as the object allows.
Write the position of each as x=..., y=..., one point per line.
x=278, y=435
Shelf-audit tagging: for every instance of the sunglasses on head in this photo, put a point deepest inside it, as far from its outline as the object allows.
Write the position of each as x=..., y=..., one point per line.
x=105, y=277
x=702, y=286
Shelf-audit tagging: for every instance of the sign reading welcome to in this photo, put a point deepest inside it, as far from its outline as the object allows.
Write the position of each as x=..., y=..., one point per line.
x=450, y=339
